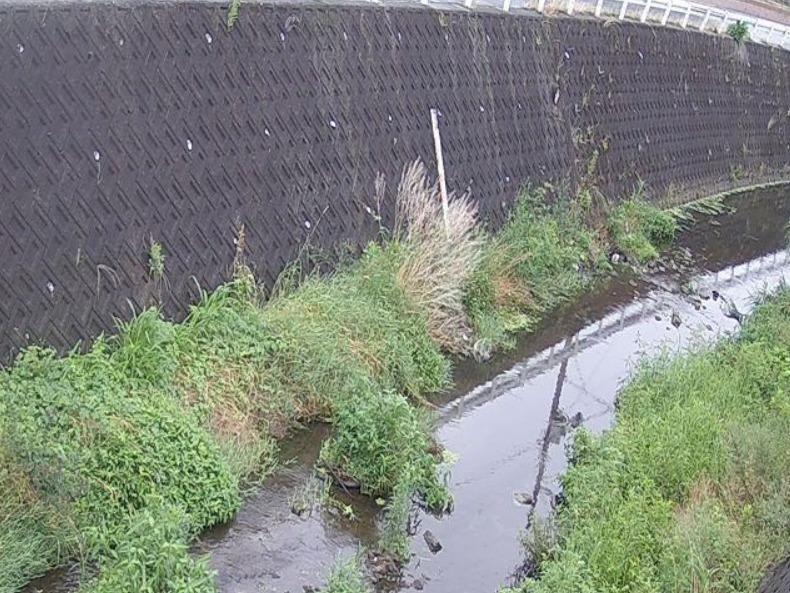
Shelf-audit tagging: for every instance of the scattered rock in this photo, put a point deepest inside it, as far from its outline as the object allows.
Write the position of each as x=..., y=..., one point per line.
x=340, y=477
x=434, y=545
x=730, y=310
x=310, y=589
x=436, y=448
x=417, y=584
x=697, y=305
x=715, y=294
x=383, y=568
x=618, y=258
x=708, y=327
x=658, y=317
x=482, y=350
x=576, y=420
x=704, y=294
x=676, y=320
x=632, y=283
x=523, y=498
x=559, y=500
x=687, y=289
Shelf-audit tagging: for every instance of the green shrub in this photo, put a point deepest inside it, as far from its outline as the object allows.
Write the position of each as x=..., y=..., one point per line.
x=357, y=322
x=546, y=246
x=97, y=445
x=152, y=556
x=381, y=440
x=33, y=538
x=542, y=257
x=639, y=229
x=394, y=523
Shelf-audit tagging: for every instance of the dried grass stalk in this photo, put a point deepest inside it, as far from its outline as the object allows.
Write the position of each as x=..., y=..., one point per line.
x=438, y=260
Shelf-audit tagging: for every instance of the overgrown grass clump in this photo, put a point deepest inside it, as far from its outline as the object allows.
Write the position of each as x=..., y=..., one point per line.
x=89, y=442
x=690, y=491
x=120, y=455
x=640, y=229
x=346, y=577
x=545, y=254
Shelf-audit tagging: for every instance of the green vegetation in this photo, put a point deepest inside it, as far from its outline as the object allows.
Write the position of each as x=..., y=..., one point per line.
x=543, y=256
x=152, y=555
x=549, y=250
x=689, y=490
x=739, y=31
x=233, y=13
x=346, y=577
x=120, y=455
x=156, y=261
x=639, y=229
x=737, y=173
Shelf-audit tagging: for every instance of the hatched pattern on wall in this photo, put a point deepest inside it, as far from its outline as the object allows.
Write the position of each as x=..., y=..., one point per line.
x=124, y=125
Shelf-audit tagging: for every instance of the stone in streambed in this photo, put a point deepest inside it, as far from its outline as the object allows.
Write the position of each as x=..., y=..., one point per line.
x=523, y=498
x=434, y=545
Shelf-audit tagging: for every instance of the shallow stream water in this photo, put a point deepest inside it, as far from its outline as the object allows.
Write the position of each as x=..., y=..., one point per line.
x=508, y=421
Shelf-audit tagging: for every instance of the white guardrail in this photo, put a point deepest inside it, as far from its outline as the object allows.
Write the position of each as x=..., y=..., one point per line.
x=687, y=15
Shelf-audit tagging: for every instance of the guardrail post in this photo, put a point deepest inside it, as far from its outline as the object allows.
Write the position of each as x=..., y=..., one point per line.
x=686, y=16
x=623, y=9
x=598, y=7
x=666, y=13
x=645, y=12
x=705, y=20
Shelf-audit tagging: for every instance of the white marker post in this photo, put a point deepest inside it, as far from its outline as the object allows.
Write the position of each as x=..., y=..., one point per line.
x=437, y=143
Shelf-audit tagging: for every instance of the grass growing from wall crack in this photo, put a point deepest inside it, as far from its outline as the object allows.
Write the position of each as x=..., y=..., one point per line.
x=121, y=455
x=689, y=490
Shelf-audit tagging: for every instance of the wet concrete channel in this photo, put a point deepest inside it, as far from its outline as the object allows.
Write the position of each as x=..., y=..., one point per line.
x=508, y=421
